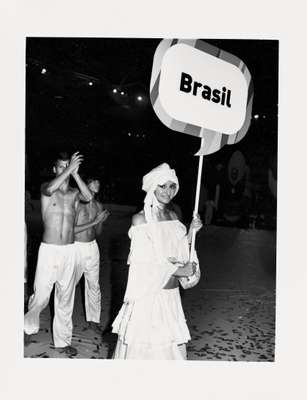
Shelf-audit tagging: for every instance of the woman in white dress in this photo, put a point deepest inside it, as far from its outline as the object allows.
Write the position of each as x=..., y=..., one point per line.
x=151, y=323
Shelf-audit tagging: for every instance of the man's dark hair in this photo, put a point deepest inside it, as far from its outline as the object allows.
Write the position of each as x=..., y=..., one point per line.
x=92, y=178
x=62, y=156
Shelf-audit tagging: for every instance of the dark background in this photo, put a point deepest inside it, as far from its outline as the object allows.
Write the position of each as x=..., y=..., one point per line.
x=71, y=106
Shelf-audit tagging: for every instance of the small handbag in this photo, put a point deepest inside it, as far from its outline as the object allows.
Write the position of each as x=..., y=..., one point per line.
x=191, y=281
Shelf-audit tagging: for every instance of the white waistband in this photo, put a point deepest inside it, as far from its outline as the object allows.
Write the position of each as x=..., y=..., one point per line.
x=59, y=246
x=85, y=243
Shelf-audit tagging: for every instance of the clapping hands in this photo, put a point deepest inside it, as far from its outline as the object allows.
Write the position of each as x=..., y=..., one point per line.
x=75, y=161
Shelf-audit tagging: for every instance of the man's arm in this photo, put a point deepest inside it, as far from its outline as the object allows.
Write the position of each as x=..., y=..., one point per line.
x=105, y=214
x=85, y=194
x=83, y=227
x=49, y=188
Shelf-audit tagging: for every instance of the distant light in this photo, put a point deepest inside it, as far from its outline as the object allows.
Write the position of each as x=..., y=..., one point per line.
x=129, y=134
x=256, y=116
x=90, y=83
x=263, y=116
x=44, y=70
x=114, y=90
x=122, y=93
x=139, y=98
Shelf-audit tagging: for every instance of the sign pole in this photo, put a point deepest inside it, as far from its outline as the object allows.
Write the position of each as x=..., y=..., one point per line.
x=197, y=195
x=175, y=93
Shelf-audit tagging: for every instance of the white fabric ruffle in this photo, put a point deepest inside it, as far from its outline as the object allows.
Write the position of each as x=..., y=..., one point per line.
x=155, y=320
x=151, y=322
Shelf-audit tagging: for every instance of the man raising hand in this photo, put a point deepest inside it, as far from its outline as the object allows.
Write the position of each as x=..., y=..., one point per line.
x=56, y=257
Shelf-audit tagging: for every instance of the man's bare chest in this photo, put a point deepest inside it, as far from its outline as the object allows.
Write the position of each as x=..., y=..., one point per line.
x=62, y=202
x=87, y=212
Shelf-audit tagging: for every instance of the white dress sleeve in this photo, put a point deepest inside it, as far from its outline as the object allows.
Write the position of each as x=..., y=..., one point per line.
x=148, y=272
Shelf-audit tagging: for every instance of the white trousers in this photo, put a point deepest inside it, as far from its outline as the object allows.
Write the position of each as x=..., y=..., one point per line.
x=55, y=265
x=87, y=263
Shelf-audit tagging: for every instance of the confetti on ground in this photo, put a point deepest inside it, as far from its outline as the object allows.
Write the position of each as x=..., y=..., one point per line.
x=230, y=313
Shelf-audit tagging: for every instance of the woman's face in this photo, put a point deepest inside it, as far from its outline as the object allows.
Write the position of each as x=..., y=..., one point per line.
x=164, y=193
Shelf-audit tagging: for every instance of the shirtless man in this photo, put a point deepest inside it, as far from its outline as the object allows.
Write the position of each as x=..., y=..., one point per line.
x=88, y=257
x=56, y=257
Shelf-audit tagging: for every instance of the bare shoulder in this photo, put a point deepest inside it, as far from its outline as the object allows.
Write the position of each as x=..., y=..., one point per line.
x=44, y=190
x=175, y=211
x=139, y=218
x=173, y=215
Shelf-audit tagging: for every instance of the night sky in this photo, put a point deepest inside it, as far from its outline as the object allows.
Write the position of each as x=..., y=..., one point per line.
x=70, y=105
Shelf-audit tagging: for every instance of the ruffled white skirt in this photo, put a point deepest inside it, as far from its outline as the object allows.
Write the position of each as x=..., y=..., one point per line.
x=153, y=327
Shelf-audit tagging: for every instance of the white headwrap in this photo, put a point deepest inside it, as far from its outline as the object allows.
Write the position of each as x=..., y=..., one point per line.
x=157, y=176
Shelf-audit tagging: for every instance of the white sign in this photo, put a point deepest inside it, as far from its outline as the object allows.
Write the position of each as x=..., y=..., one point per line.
x=197, y=88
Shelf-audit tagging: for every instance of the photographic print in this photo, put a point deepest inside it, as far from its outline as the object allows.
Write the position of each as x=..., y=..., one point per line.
x=150, y=198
